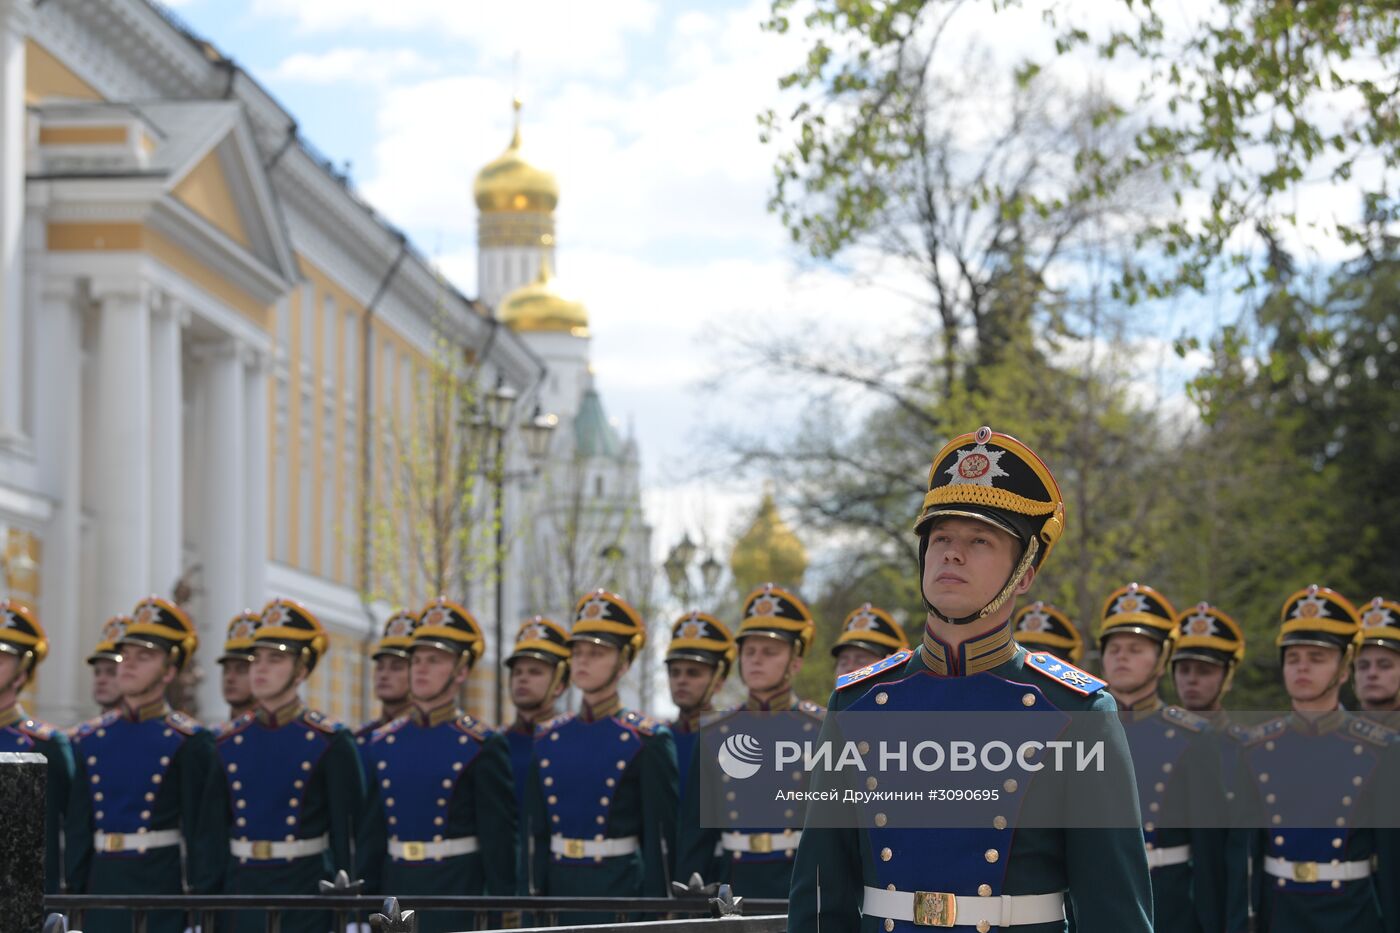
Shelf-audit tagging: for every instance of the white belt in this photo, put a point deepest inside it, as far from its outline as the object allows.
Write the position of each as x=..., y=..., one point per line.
x=593, y=848
x=135, y=842
x=1171, y=855
x=760, y=842
x=1317, y=871
x=443, y=848
x=936, y=909
x=262, y=850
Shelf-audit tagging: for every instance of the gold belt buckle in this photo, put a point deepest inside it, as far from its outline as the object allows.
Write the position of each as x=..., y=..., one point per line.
x=935, y=909
x=761, y=842
x=116, y=842
x=1305, y=872
x=573, y=848
x=262, y=849
x=414, y=852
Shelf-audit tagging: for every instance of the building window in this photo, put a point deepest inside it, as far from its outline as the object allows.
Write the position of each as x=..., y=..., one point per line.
x=598, y=486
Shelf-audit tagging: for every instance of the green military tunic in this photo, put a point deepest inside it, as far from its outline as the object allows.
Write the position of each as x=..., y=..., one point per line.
x=438, y=780
x=1176, y=759
x=1103, y=872
x=290, y=777
x=20, y=732
x=602, y=777
x=755, y=860
x=138, y=774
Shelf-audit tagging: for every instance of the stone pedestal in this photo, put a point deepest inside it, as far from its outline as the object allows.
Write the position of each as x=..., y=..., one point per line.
x=22, y=782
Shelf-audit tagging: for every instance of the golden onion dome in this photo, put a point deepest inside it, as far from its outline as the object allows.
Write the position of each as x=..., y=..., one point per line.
x=538, y=307
x=509, y=183
x=768, y=552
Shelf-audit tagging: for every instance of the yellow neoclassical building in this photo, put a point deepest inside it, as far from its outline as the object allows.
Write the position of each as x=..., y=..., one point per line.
x=206, y=338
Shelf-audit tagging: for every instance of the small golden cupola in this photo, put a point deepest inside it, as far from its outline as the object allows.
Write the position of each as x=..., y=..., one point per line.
x=538, y=307
x=509, y=184
x=769, y=552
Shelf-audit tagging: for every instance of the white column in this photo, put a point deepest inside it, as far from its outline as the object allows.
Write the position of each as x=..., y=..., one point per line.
x=14, y=16
x=123, y=443
x=167, y=446
x=221, y=551
x=256, y=476
x=58, y=450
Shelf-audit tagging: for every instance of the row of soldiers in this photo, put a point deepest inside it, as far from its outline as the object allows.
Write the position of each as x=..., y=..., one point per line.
x=425, y=799
x=606, y=801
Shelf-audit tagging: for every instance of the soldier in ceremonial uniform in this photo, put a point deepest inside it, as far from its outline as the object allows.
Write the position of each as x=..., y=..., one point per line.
x=1322, y=783
x=1378, y=662
x=1177, y=761
x=756, y=860
x=1208, y=646
x=237, y=657
x=391, y=672
x=539, y=675
x=602, y=798
x=1042, y=628
x=23, y=645
x=698, y=660
x=140, y=775
x=289, y=785
x=868, y=634
x=441, y=816
x=992, y=513
x=103, y=662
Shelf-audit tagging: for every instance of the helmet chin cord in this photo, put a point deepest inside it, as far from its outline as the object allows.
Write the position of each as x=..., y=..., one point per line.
x=1007, y=591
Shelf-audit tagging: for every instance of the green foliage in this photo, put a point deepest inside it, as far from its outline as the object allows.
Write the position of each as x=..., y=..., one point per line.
x=1239, y=109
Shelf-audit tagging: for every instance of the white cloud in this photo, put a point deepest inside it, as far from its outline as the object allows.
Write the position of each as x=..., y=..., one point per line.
x=361, y=66
x=557, y=37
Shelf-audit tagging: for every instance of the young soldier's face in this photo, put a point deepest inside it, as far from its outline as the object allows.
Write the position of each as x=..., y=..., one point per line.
x=764, y=663
x=688, y=680
x=390, y=678
x=10, y=679
x=1377, y=675
x=236, y=682
x=529, y=683
x=853, y=658
x=141, y=669
x=272, y=673
x=105, y=691
x=591, y=665
x=966, y=565
x=1309, y=669
x=431, y=672
x=1128, y=661
x=1198, y=683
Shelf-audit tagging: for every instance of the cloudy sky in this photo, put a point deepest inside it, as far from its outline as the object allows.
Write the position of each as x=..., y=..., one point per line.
x=646, y=112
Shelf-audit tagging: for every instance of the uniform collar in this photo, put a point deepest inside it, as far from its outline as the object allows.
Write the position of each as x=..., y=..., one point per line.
x=1145, y=708
x=1317, y=723
x=436, y=716
x=783, y=699
x=690, y=722
x=608, y=706
x=280, y=717
x=153, y=710
x=8, y=717
x=973, y=656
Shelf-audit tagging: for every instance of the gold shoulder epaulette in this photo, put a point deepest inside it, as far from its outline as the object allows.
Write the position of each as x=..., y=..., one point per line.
x=1264, y=731
x=474, y=727
x=186, y=725
x=321, y=722
x=1185, y=718
x=1372, y=732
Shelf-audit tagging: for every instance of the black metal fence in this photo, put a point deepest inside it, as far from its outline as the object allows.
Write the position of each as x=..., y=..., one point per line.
x=398, y=915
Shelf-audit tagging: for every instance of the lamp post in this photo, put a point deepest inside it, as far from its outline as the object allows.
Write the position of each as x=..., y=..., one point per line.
x=677, y=567
x=490, y=428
